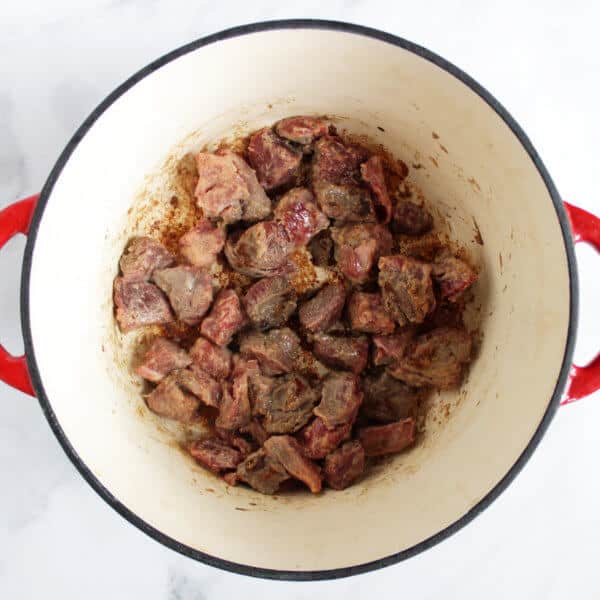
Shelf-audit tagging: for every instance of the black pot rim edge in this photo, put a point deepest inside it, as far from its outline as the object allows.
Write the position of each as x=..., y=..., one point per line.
x=247, y=569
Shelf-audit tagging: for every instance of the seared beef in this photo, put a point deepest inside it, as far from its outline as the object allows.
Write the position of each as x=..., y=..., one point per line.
x=261, y=387
x=257, y=206
x=340, y=400
x=162, y=357
x=344, y=466
x=387, y=439
x=215, y=454
x=322, y=311
x=225, y=319
x=367, y=314
x=288, y=452
x=200, y=383
x=201, y=244
x=300, y=216
x=256, y=431
x=138, y=303
x=215, y=360
x=320, y=248
x=238, y=442
x=357, y=248
x=318, y=441
x=435, y=358
x=261, y=251
x=342, y=352
x=276, y=162
x=302, y=130
x=270, y=302
x=235, y=411
x=276, y=351
x=407, y=288
x=372, y=173
x=411, y=218
x=453, y=276
x=387, y=399
x=142, y=256
x=390, y=348
x=262, y=472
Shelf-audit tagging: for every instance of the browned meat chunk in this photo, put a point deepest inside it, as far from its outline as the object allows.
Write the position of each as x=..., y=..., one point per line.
x=390, y=348
x=318, y=441
x=276, y=351
x=436, y=358
x=228, y=189
x=162, y=357
x=261, y=251
x=336, y=181
x=288, y=452
x=189, y=290
x=138, y=303
x=367, y=314
x=341, y=352
x=201, y=244
x=372, y=173
x=201, y=384
x=300, y=216
x=340, y=400
x=302, y=130
x=290, y=405
x=323, y=310
x=270, y=302
x=215, y=360
x=230, y=478
x=242, y=445
x=262, y=472
x=453, y=276
x=276, y=162
x=344, y=466
x=256, y=431
x=214, y=454
x=407, y=288
x=261, y=387
x=387, y=399
x=387, y=439
x=411, y=218
x=357, y=248
x=234, y=410
x=320, y=248
x=142, y=256
x=225, y=319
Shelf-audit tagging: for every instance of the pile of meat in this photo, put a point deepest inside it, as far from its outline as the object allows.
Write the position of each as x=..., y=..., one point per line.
x=301, y=387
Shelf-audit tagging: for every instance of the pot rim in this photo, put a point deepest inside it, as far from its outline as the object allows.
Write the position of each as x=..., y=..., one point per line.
x=105, y=494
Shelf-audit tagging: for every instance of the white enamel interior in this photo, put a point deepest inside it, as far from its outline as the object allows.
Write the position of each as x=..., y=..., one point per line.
x=237, y=85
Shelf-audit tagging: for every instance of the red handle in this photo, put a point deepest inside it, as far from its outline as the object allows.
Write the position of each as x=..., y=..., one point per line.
x=583, y=381
x=16, y=219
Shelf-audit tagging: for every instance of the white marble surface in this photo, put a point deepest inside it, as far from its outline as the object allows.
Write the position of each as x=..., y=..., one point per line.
x=58, y=60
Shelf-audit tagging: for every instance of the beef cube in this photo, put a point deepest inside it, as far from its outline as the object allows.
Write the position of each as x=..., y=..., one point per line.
x=142, y=256
x=372, y=173
x=230, y=478
x=453, y=276
x=138, y=304
x=215, y=455
x=323, y=310
x=225, y=319
x=367, y=314
x=302, y=130
x=436, y=358
x=357, y=248
x=320, y=248
x=345, y=203
x=387, y=439
x=261, y=251
x=201, y=384
x=300, y=216
x=270, y=302
x=215, y=360
x=261, y=387
x=318, y=441
x=342, y=352
x=162, y=357
x=235, y=410
x=387, y=399
x=289, y=406
x=242, y=445
x=341, y=398
x=189, y=290
x=256, y=431
x=257, y=206
x=276, y=162
x=288, y=452
x=201, y=244
x=276, y=350
x=390, y=348
x=262, y=472
x=344, y=466
x=407, y=288
x=411, y=218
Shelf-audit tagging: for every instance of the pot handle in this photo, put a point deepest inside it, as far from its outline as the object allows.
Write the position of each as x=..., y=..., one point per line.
x=583, y=381
x=16, y=219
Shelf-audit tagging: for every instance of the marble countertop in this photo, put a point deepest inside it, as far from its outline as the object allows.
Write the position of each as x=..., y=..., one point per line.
x=58, y=539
